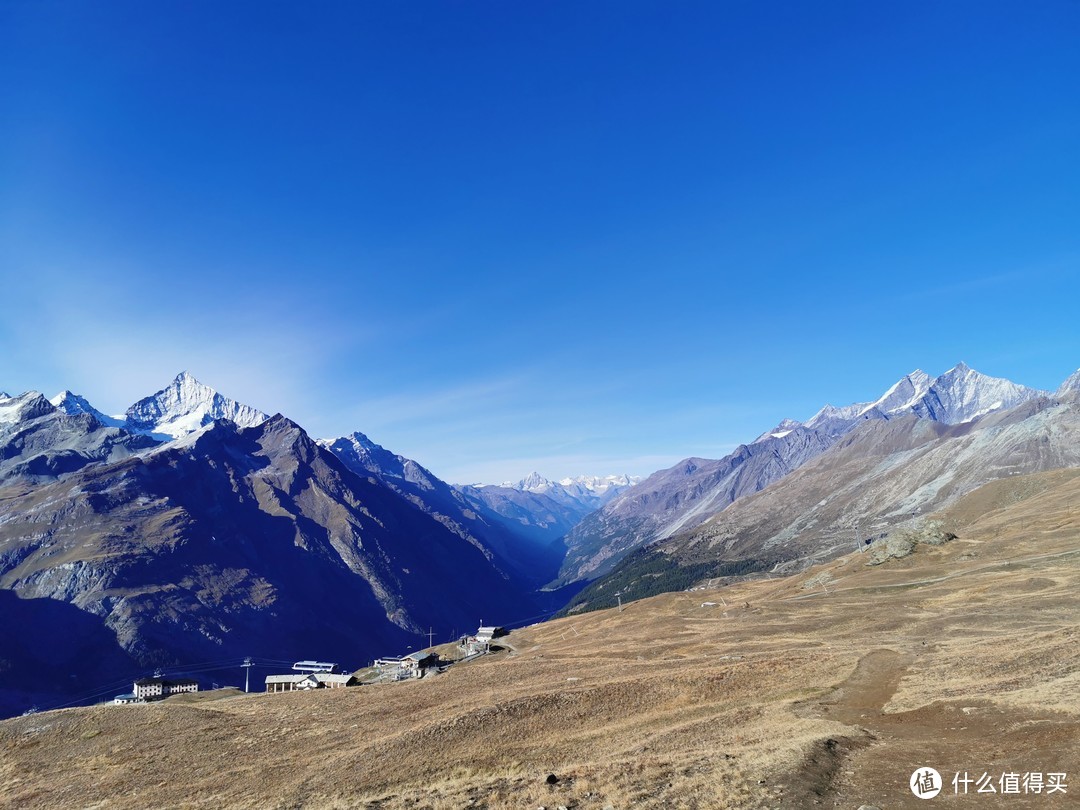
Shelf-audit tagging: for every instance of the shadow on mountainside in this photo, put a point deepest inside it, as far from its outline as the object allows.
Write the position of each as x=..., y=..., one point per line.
x=51, y=651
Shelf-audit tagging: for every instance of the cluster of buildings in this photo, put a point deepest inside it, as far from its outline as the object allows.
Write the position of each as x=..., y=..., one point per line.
x=413, y=665
x=480, y=642
x=308, y=675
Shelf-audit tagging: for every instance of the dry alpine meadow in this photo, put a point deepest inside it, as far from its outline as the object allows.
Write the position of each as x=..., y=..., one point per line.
x=826, y=688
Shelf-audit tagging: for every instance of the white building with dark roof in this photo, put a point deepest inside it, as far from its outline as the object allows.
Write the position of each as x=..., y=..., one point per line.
x=159, y=688
x=309, y=681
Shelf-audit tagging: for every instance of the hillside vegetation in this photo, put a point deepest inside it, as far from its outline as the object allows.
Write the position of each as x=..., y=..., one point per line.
x=826, y=687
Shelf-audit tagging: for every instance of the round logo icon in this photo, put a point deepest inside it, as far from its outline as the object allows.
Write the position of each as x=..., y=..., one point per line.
x=925, y=783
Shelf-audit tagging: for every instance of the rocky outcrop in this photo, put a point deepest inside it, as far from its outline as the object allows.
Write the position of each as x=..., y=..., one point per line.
x=900, y=544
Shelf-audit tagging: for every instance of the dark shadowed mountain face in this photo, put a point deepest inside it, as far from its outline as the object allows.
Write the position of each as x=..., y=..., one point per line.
x=530, y=557
x=874, y=483
x=50, y=650
x=252, y=541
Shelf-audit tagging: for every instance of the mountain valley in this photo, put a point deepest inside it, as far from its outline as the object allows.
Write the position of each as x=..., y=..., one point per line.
x=827, y=687
x=194, y=528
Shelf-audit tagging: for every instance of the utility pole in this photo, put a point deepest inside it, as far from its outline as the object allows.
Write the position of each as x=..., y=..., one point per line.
x=619, y=597
x=430, y=633
x=247, y=673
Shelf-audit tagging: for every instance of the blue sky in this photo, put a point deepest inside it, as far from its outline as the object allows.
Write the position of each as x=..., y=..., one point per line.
x=571, y=237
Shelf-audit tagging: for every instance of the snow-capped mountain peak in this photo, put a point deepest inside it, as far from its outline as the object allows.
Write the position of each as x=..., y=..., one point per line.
x=184, y=406
x=73, y=404
x=25, y=406
x=361, y=453
x=831, y=412
x=785, y=427
x=959, y=395
x=1072, y=383
x=357, y=440
x=584, y=491
x=582, y=485
x=962, y=394
x=533, y=482
x=903, y=394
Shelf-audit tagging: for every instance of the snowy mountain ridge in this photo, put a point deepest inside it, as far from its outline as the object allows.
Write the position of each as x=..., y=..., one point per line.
x=681, y=497
x=959, y=395
x=595, y=484
x=1072, y=383
x=30, y=405
x=73, y=404
x=183, y=407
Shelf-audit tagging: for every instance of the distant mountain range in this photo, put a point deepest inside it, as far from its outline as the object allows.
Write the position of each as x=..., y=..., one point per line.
x=684, y=496
x=586, y=492
x=546, y=510
x=876, y=475
x=184, y=406
x=194, y=527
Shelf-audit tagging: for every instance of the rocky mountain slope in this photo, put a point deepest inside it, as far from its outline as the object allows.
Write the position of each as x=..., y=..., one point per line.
x=879, y=479
x=822, y=689
x=228, y=541
x=684, y=496
x=531, y=555
x=231, y=540
x=41, y=442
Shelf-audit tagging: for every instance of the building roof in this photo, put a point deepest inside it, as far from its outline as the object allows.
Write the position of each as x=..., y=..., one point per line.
x=287, y=678
x=165, y=681
x=327, y=677
x=419, y=656
x=321, y=677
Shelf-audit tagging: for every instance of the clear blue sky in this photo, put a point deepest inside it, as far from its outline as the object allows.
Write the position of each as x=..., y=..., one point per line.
x=580, y=237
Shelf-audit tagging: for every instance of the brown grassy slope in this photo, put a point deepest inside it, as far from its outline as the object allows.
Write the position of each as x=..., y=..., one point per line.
x=827, y=688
